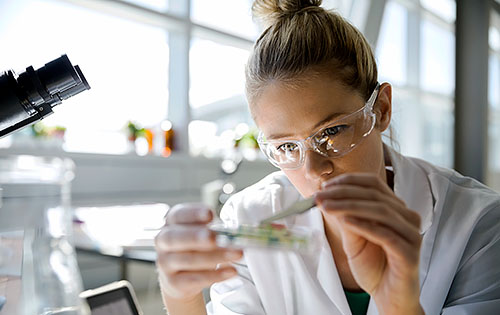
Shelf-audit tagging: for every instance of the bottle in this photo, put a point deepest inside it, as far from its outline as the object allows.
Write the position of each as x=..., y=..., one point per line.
x=168, y=133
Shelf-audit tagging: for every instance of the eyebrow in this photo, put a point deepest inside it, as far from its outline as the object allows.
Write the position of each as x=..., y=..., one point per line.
x=322, y=122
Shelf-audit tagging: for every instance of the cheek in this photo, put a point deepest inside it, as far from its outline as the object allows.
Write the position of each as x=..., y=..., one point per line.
x=369, y=154
x=298, y=180
x=367, y=157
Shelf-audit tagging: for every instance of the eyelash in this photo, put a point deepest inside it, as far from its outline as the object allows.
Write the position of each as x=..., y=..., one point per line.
x=337, y=129
x=281, y=146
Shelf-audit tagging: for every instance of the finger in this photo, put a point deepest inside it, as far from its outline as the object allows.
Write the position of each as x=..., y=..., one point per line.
x=343, y=191
x=376, y=212
x=385, y=237
x=194, y=280
x=360, y=179
x=347, y=191
x=195, y=261
x=185, y=238
x=188, y=213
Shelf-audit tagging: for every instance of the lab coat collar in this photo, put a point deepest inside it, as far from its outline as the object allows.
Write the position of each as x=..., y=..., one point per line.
x=326, y=271
x=412, y=185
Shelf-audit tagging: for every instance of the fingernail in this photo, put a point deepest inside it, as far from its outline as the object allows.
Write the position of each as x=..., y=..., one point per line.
x=204, y=215
x=232, y=255
x=329, y=182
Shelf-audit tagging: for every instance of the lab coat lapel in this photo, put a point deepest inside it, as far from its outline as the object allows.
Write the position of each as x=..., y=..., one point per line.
x=372, y=308
x=329, y=279
x=412, y=185
x=326, y=272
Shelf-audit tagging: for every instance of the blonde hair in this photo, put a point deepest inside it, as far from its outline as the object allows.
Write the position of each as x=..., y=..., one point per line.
x=302, y=39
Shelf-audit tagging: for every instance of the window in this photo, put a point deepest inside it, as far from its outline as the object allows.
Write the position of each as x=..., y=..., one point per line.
x=217, y=72
x=158, y=5
x=217, y=97
x=438, y=58
x=494, y=103
x=438, y=124
x=231, y=16
x=391, y=48
x=445, y=9
x=341, y=6
x=125, y=58
x=416, y=54
x=125, y=63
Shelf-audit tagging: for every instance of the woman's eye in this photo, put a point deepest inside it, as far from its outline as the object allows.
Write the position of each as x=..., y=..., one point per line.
x=332, y=131
x=287, y=147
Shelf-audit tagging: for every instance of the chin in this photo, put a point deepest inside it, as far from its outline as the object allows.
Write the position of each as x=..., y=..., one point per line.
x=310, y=191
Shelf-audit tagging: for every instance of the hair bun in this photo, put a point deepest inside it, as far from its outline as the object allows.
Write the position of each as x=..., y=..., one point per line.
x=269, y=12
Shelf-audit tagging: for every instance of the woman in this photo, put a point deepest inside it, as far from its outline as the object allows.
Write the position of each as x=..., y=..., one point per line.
x=399, y=235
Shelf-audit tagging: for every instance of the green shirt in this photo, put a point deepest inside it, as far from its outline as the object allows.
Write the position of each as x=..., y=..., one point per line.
x=358, y=302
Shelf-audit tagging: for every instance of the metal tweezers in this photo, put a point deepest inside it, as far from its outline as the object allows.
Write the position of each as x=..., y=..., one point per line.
x=298, y=207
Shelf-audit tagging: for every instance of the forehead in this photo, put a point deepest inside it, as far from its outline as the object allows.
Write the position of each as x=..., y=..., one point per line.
x=296, y=109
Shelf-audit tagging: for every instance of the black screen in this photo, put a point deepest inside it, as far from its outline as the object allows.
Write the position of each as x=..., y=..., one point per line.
x=115, y=302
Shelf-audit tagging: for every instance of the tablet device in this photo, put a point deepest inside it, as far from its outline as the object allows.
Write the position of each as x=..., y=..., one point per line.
x=117, y=298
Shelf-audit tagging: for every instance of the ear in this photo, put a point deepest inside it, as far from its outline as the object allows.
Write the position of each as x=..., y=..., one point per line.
x=383, y=107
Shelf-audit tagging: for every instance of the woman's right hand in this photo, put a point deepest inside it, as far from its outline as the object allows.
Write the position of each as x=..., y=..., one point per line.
x=188, y=257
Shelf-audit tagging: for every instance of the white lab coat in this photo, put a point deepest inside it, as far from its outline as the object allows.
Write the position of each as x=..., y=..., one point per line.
x=459, y=258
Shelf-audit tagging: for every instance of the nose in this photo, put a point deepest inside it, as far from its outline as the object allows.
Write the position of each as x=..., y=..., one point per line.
x=316, y=165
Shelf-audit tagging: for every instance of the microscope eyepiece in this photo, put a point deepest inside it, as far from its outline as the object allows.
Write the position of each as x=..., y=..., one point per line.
x=30, y=97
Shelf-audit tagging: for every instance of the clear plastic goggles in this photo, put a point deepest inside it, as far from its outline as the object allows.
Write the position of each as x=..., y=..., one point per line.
x=334, y=140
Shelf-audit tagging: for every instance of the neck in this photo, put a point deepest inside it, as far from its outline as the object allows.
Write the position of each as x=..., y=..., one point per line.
x=335, y=241
x=389, y=173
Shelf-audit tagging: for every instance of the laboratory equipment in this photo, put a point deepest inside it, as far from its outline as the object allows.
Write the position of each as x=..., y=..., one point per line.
x=29, y=97
x=113, y=298
x=297, y=207
x=37, y=259
x=270, y=236
x=38, y=268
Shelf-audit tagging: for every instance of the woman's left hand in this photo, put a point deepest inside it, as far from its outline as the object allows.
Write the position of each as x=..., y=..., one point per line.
x=380, y=237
